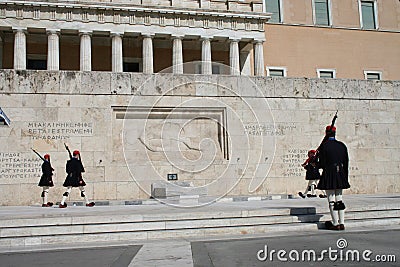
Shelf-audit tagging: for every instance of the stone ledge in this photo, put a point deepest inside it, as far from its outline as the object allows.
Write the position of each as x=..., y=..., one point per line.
x=179, y=199
x=109, y=83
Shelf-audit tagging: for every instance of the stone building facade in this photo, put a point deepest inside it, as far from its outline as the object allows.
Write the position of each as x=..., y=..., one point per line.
x=140, y=37
x=150, y=90
x=222, y=134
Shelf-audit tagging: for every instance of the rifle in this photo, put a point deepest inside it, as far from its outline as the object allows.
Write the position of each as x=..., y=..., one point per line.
x=38, y=154
x=323, y=141
x=69, y=152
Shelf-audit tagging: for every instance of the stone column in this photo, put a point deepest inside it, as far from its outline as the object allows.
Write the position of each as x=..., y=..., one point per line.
x=117, y=61
x=234, y=57
x=86, y=52
x=177, y=55
x=20, y=49
x=258, y=58
x=206, y=64
x=148, y=53
x=53, y=50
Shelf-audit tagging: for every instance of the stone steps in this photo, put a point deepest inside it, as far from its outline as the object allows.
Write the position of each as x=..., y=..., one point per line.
x=78, y=228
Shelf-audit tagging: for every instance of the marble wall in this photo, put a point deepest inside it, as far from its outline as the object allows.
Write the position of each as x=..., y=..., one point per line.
x=228, y=135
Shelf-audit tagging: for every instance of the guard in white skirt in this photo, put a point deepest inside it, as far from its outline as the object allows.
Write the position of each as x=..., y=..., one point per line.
x=334, y=161
x=74, y=178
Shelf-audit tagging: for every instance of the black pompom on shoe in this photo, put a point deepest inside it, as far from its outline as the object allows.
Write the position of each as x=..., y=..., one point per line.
x=91, y=204
x=302, y=195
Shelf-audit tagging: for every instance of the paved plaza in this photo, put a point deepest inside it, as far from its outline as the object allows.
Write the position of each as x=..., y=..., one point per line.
x=383, y=243
x=372, y=227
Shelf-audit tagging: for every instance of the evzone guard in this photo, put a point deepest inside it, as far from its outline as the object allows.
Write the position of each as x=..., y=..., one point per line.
x=333, y=158
x=74, y=169
x=312, y=175
x=334, y=161
x=46, y=180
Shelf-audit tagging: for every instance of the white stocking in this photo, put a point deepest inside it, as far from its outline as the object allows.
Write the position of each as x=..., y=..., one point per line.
x=331, y=202
x=83, y=194
x=45, y=193
x=310, y=182
x=69, y=188
x=339, y=197
x=313, y=183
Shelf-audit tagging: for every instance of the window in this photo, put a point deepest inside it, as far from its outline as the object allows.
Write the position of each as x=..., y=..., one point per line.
x=276, y=72
x=368, y=18
x=197, y=69
x=36, y=64
x=216, y=68
x=131, y=64
x=372, y=75
x=326, y=73
x=274, y=7
x=322, y=12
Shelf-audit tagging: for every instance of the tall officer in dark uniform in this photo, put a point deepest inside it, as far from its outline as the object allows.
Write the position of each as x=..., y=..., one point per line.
x=334, y=160
x=74, y=178
x=46, y=180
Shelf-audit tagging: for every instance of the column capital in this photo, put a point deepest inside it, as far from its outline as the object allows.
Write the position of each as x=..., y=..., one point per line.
x=258, y=41
x=53, y=31
x=234, y=39
x=206, y=38
x=85, y=33
x=20, y=29
x=177, y=36
x=120, y=34
x=148, y=35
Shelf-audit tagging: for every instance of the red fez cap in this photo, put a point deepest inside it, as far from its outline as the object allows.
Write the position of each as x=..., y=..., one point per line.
x=47, y=156
x=76, y=152
x=329, y=128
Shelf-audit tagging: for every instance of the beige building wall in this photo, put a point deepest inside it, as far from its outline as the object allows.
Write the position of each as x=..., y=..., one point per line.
x=389, y=15
x=344, y=13
x=303, y=50
x=297, y=12
x=301, y=47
